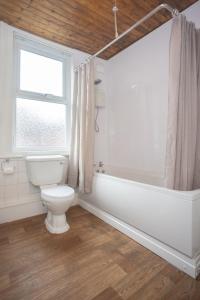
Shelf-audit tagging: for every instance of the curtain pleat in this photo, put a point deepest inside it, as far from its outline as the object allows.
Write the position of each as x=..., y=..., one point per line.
x=80, y=169
x=182, y=153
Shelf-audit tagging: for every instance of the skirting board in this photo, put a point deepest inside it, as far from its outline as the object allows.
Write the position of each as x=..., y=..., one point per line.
x=13, y=213
x=182, y=262
x=21, y=211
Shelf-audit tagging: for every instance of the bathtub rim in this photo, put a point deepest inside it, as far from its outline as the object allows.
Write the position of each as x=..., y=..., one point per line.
x=185, y=195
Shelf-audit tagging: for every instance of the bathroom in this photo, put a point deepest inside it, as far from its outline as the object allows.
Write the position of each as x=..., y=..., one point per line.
x=124, y=232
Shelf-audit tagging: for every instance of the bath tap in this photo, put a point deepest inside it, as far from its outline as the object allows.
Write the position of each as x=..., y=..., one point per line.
x=101, y=170
x=99, y=167
x=101, y=164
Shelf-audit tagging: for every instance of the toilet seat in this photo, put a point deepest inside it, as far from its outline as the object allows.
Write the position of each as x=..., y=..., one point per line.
x=55, y=193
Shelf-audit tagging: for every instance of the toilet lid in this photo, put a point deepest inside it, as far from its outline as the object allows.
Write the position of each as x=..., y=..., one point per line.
x=59, y=192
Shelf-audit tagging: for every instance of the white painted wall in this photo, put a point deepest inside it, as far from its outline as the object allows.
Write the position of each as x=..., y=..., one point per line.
x=134, y=137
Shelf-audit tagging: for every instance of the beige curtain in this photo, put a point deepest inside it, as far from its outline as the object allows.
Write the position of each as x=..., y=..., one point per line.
x=183, y=137
x=80, y=169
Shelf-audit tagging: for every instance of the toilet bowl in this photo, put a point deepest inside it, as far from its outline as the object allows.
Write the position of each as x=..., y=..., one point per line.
x=47, y=173
x=57, y=199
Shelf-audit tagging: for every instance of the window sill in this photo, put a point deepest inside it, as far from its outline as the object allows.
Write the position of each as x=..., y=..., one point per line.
x=21, y=155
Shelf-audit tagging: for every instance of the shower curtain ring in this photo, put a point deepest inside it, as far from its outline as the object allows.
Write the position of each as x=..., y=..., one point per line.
x=175, y=12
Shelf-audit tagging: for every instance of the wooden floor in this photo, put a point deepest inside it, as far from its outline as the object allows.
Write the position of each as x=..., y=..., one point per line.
x=91, y=261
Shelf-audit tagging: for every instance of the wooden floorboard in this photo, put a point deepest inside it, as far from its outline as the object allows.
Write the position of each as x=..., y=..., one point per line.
x=92, y=261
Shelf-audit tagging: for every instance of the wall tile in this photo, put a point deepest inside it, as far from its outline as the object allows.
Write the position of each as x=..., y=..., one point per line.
x=1, y=196
x=23, y=189
x=11, y=192
x=30, y=198
x=22, y=177
x=33, y=189
x=10, y=179
x=21, y=166
x=15, y=188
x=1, y=179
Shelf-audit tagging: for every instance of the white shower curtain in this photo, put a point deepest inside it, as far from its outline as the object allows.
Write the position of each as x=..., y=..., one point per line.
x=80, y=169
x=183, y=137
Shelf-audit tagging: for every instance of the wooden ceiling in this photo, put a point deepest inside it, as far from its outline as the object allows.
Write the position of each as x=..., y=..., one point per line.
x=86, y=25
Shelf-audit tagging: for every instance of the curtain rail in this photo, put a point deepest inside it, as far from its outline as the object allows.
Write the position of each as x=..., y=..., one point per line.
x=174, y=12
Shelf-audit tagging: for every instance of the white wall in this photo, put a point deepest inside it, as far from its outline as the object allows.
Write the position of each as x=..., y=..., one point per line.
x=137, y=87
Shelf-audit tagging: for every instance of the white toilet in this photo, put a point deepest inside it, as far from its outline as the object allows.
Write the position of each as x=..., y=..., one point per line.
x=47, y=172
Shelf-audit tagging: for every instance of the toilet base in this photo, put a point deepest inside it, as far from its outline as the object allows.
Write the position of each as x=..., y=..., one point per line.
x=56, y=223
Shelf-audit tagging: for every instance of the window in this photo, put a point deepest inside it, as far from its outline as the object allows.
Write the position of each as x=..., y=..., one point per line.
x=42, y=98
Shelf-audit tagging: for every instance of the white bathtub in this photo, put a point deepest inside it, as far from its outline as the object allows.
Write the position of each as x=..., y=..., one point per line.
x=165, y=221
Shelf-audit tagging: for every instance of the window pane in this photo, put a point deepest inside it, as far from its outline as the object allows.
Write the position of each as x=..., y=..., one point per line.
x=40, y=74
x=40, y=124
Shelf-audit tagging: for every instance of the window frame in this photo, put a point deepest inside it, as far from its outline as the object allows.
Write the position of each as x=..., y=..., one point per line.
x=36, y=47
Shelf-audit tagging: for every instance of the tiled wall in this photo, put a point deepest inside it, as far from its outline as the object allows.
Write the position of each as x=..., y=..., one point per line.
x=15, y=188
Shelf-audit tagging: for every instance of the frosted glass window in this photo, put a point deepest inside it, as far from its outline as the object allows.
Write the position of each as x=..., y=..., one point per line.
x=40, y=124
x=43, y=82
x=40, y=74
